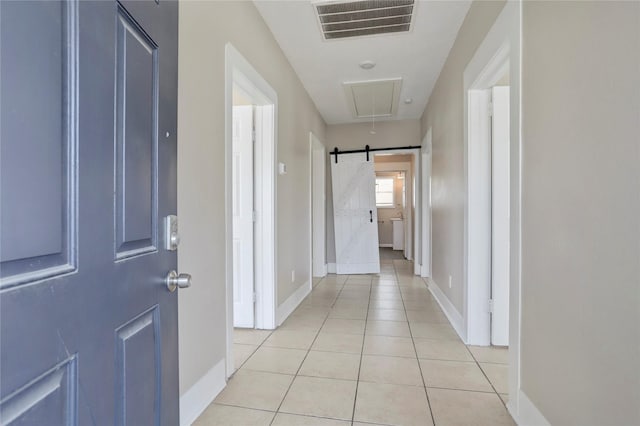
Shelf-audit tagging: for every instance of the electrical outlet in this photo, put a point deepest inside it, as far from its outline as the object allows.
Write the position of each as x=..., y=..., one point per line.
x=293, y=276
x=449, y=281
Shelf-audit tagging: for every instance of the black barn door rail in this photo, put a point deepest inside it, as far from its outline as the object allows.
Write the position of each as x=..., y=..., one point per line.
x=368, y=150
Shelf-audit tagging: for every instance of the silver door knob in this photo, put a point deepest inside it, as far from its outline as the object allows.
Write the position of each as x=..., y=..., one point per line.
x=177, y=281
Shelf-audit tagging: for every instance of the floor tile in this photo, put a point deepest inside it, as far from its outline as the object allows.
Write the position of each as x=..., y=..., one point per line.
x=387, y=315
x=255, y=389
x=454, y=375
x=392, y=404
x=292, y=339
x=386, y=304
x=344, y=326
x=302, y=322
x=498, y=375
x=224, y=415
x=276, y=360
x=390, y=369
x=442, y=349
x=494, y=354
x=386, y=296
x=463, y=408
x=249, y=336
x=332, y=365
x=241, y=353
x=390, y=346
x=338, y=342
x=349, y=313
x=388, y=328
x=321, y=397
x=427, y=315
x=283, y=419
x=433, y=331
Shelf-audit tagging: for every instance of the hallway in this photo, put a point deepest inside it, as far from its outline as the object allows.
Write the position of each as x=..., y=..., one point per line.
x=363, y=350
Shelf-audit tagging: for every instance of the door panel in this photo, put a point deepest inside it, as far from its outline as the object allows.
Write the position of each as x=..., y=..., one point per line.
x=88, y=330
x=500, y=217
x=38, y=232
x=355, y=215
x=243, y=206
x=136, y=138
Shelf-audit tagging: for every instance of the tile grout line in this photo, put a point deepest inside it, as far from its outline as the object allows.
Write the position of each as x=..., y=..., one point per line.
x=309, y=349
x=486, y=377
x=413, y=342
x=364, y=333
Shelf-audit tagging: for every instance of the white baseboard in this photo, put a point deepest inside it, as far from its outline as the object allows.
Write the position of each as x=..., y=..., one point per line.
x=289, y=305
x=331, y=268
x=526, y=413
x=202, y=393
x=450, y=311
x=385, y=245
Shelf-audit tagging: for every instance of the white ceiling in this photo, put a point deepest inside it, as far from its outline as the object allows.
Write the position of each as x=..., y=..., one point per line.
x=416, y=56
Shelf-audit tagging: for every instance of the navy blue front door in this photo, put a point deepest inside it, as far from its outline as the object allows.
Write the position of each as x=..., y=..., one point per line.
x=88, y=328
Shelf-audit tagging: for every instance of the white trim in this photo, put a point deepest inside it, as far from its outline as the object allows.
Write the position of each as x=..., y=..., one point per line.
x=527, y=414
x=456, y=320
x=198, y=397
x=425, y=204
x=239, y=71
x=331, y=268
x=317, y=175
x=385, y=245
x=290, y=305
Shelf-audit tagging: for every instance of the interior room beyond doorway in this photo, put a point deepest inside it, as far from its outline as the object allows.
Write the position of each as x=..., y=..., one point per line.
x=393, y=199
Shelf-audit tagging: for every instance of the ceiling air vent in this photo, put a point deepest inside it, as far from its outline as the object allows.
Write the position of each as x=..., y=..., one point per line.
x=364, y=17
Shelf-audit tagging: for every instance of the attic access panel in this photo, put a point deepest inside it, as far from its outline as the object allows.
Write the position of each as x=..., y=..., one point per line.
x=364, y=17
x=375, y=98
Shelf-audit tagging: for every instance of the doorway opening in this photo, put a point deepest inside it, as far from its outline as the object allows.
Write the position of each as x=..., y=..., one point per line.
x=250, y=135
x=488, y=205
x=398, y=205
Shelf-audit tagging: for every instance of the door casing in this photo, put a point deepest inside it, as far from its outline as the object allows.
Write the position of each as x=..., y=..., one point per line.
x=239, y=71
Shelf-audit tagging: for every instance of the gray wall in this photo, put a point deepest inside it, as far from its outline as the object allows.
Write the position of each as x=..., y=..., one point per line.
x=357, y=136
x=581, y=211
x=205, y=28
x=445, y=114
x=580, y=334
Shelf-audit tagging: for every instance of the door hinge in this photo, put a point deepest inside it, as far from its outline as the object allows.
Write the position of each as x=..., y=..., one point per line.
x=490, y=306
x=254, y=297
x=253, y=135
x=490, y=109
x=254, y=216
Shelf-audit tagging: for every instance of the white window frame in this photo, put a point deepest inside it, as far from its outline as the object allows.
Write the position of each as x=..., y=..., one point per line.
x=393, y=193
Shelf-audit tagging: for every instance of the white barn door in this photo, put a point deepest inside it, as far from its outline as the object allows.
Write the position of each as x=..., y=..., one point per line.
x=242, y=169
x=355, y=215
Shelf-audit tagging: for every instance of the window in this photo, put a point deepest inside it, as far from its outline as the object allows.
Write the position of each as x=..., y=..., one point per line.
x=384, y=192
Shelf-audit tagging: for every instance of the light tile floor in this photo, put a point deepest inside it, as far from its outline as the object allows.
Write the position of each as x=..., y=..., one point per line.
x=363, y=350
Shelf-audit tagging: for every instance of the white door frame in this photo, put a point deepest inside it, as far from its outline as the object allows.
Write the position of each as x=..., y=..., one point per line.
x=414, y=243
x=425, y=203
x=501, y=48
x=239, y=71
x=317, y=208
